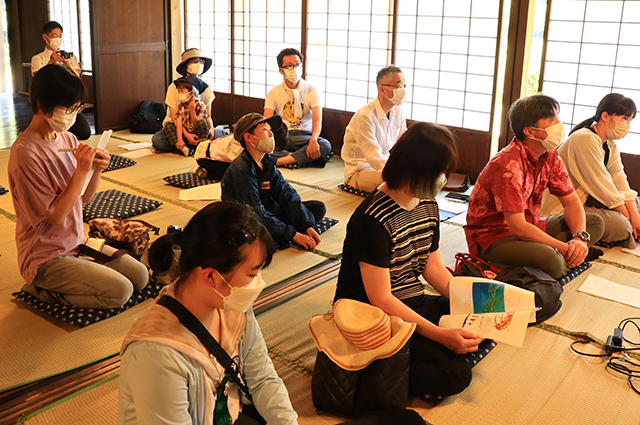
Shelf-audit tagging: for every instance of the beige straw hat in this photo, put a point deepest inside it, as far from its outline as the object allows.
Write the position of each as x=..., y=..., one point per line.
x=189, y=54
x=355, y=334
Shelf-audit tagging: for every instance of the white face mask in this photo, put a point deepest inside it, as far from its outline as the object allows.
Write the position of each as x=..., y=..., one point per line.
x=55, y=43
x=293, y=74
x=430, y=192
x=61, y=121
x=399, y=96
x=555, y=136
x=265, y=145
x=242, y=297
x=195, y=68
x=620, y=130
x=184, y=97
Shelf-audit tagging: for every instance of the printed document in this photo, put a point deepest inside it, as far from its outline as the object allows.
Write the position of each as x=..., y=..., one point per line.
x=490, y=309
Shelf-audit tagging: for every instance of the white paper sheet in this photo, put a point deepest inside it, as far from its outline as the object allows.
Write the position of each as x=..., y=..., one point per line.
x=451, y=206
x=102, y=144
x=635, y=251
x=135, y=146
x=138, y=154
x=603, y=288
x=207, y=192
x=509, y=327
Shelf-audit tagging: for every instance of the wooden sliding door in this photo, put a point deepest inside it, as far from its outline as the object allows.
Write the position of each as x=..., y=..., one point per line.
x=130, y=57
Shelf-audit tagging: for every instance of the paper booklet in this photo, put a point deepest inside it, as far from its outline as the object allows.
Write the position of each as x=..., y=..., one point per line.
x=490, y=309
x=102, y=144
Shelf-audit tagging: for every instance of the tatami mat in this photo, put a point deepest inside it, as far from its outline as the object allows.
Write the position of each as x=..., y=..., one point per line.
x=452, y=241
x=327, y=178
x=582, y=312
x=541, y=383
x=36, y=346
x=285, y=328
x=616, y=255
x=339, y=207
x=97, y=405
x=129, y=136
x=290, y=262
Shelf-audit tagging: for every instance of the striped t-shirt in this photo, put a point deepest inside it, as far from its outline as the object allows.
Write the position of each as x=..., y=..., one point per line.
x=382, y=233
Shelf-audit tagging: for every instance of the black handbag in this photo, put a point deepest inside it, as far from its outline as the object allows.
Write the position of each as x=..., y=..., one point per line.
x=547, y=293
x=148, y=119
x=382, y=385
x=249, y=414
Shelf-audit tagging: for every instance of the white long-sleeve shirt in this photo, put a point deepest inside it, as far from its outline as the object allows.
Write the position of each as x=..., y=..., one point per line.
x=42, y=59
x=370, y=136
x=583, y=156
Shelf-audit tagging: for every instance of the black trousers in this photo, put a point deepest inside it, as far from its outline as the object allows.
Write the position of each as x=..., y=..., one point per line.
x=435, y=370
x=215, y=169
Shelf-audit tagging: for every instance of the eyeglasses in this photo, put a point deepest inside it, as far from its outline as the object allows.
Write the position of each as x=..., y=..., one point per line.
x=197, y=61
x=291, y=66
x=77, y=109
x=401, y=86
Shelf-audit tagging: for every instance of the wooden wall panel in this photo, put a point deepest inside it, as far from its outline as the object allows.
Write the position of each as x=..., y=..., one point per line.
x=25, y=19
x=632, y=169
x=121, y=94
x=130, y=58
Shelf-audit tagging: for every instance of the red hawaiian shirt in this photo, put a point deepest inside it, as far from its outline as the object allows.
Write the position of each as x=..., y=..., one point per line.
x=513, y=181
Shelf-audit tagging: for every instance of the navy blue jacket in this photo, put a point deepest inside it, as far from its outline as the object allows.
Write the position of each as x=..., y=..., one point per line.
x=268, y=194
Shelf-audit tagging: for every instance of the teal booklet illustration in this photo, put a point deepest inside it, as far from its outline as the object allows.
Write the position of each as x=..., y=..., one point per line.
x=490, y=309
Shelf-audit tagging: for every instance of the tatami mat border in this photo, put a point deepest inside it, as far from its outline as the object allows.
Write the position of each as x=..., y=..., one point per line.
x=7, y=214
x=618, y=265
x=69, y=397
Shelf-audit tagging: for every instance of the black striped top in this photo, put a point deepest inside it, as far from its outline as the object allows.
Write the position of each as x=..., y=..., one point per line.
x=382, y=233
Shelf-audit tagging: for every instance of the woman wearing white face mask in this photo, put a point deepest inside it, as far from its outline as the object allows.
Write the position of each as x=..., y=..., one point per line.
x=393, y=239
x=191, y=67
x=593, y=161
x=166, y=374
x=47, y=171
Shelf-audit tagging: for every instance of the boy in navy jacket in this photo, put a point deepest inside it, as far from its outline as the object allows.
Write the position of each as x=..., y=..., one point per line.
x=253, y=179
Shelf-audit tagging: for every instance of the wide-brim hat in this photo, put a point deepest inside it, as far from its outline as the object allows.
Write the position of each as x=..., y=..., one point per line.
x=189, y=54
x=354, y=334
x=250, y=120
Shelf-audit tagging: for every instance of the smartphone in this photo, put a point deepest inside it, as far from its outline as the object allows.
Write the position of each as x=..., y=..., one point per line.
x=540, y=275
x=458, y=196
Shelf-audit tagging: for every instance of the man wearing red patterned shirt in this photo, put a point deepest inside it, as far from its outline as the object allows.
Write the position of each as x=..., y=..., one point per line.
x=503, y=221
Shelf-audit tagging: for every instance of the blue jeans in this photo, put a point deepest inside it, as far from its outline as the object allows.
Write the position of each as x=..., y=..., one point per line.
x=297, y=142
x=161, y=141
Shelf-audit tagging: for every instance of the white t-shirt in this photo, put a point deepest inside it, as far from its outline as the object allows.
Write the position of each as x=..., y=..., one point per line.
x=172, y=100
x=294, y=106
x=42, y=59
x=370, y=136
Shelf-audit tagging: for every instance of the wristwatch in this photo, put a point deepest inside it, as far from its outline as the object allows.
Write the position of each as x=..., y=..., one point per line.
x=582, y=234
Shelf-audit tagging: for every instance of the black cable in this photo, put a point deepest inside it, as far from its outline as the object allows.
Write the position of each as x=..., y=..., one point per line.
x=624, y=370
x=624, y=323
x=582, y=341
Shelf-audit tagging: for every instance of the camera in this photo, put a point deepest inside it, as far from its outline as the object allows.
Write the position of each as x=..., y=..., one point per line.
x=66, y=55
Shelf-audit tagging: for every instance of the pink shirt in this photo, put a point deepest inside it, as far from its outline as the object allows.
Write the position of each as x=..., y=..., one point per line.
x=38, y=174
x=513, y=181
